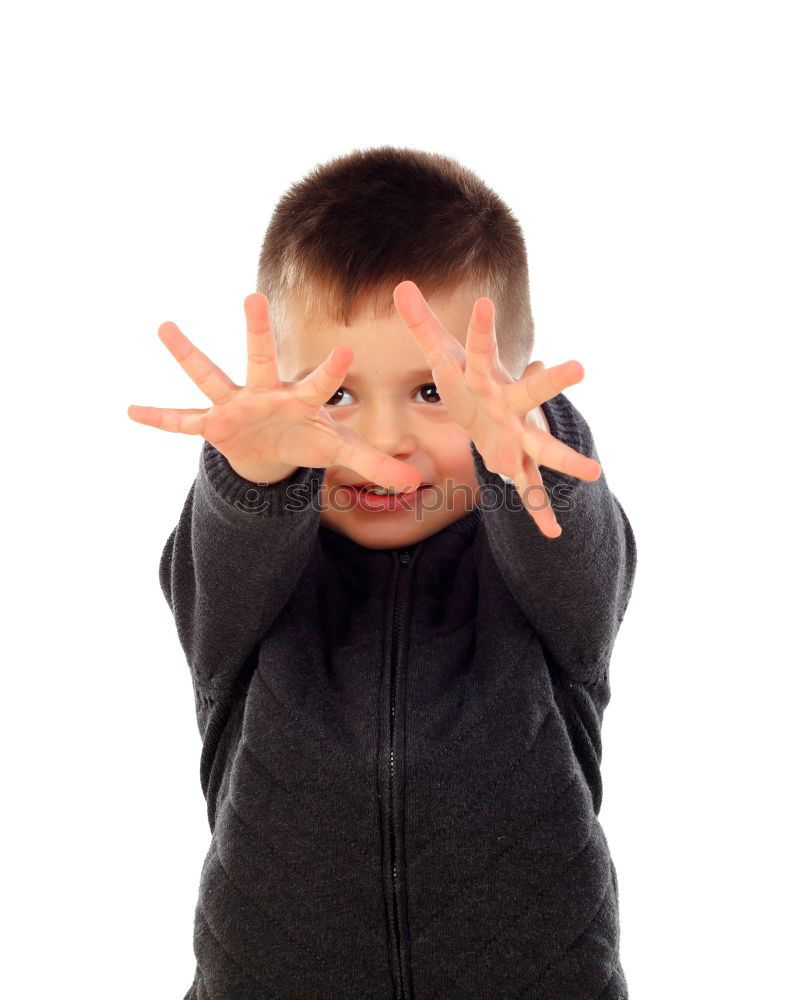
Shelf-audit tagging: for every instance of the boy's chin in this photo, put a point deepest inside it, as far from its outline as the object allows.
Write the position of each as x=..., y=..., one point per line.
x=388, y=530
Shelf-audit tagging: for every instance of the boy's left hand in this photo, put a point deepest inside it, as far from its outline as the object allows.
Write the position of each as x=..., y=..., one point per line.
x=498, y=412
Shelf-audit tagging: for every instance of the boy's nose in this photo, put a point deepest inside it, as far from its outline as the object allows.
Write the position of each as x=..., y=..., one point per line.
x=390, y=434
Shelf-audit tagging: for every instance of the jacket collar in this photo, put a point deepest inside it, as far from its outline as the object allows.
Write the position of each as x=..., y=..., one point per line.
x=445, y=544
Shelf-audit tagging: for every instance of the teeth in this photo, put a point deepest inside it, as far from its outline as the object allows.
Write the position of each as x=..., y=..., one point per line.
x=378, y=491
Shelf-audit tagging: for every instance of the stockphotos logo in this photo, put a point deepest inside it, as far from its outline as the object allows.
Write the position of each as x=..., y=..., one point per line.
x=297, y=497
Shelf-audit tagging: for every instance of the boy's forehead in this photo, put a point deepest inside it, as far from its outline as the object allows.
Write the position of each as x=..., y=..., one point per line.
x=383, y=345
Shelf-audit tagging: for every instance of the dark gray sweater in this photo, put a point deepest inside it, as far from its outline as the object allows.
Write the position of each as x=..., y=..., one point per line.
x=401, y=747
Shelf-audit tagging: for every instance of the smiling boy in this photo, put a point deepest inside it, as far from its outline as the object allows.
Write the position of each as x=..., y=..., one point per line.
x=383, y=399
x=400, y=700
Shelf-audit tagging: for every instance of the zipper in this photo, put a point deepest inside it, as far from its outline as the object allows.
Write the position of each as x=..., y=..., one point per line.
x=401, y=985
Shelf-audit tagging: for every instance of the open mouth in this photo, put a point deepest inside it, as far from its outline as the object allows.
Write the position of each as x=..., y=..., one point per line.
x=374, y=502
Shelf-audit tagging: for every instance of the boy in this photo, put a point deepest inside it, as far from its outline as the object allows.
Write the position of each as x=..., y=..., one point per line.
x=399, y=698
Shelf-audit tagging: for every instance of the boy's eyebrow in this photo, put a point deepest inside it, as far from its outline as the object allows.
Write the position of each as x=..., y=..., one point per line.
x=415, y=373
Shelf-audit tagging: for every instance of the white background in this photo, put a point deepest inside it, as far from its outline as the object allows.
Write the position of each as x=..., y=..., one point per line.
x=656, y=155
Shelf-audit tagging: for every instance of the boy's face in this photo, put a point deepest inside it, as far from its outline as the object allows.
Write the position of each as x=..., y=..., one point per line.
x=388, y=398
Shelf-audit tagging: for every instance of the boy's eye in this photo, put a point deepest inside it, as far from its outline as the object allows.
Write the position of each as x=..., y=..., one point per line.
x=337, y=393
x=432, y=386
x=342, y=391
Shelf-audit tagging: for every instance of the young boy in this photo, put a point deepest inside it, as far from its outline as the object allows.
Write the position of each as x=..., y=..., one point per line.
x=400, y=699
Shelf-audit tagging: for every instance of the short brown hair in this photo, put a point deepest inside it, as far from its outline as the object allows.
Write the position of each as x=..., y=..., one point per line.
x=355, y=226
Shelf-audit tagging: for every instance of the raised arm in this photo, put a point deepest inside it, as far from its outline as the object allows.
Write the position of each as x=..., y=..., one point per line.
x=240, y=545
x=232, y=561
x=570, y=564
x=574, y=589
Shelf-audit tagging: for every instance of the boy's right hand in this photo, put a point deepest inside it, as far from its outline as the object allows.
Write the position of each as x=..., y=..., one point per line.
x=267, y=428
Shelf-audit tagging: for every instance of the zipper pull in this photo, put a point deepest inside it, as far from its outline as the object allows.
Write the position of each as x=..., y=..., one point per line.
x=404, y=557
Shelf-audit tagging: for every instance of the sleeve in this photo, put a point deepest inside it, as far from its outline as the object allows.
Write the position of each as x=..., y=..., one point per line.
x=574, y=589
x=232, y=561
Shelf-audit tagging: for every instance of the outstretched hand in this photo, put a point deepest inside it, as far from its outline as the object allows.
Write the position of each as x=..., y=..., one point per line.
x=267, y=428
x=499, y=413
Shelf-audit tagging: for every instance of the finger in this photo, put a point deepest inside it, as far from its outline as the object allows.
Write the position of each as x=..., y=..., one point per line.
x=457, y=396
x=168, y=418
x=545, y=449
x=481, y=345
x=434, y=340
x=535, y=499
x=384, y=470
x=442, y=352
x=210, y=379
x=324, y=381
x=542, y=384
x=262, y=366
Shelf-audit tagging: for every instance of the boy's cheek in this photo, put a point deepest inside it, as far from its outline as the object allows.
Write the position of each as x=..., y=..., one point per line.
x=459, y=481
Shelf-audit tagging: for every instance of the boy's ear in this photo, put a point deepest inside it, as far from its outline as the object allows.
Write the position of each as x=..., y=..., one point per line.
x=531, y=368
